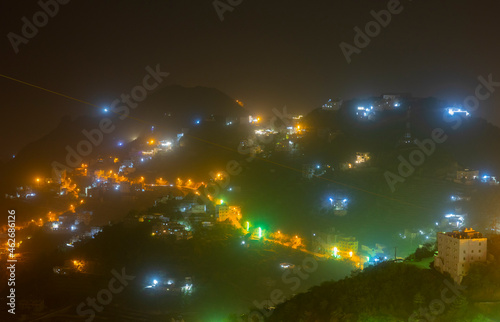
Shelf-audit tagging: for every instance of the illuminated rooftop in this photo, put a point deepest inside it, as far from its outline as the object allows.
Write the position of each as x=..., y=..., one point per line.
x=467, y=233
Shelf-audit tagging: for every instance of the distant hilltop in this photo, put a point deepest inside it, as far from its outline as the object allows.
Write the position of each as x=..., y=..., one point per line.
x=168, y=109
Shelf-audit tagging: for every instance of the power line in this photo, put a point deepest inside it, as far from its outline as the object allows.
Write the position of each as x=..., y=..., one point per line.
x=218, y=145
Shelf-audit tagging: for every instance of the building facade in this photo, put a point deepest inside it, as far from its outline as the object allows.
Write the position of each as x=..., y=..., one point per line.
x=324, y=242
x=457, y=250
x=467, y=175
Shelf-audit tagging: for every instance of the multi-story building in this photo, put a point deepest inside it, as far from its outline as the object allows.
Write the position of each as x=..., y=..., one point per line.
x=333, y=105
x=198, y=209
x=325, y=242
x=457, y=250
x=392, y=101
x=365, y=113
x=489, y=180
x=83, y=217
x=362, y=157
x=224, y=212
x=467, y=175
x=346, y=244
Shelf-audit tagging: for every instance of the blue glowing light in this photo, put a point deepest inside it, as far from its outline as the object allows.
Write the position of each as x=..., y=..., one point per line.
x=453, y=110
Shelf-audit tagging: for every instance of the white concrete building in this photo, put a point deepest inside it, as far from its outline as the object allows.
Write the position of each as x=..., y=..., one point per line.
x=457, y=250
x=224, y=212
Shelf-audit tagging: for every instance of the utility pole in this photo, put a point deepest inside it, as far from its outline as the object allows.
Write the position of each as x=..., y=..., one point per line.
x=395, y=257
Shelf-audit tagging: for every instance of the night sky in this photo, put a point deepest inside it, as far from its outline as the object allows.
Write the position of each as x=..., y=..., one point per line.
x=266, y=53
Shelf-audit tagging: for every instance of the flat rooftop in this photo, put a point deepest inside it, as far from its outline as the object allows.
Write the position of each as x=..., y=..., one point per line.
x=464, y=234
